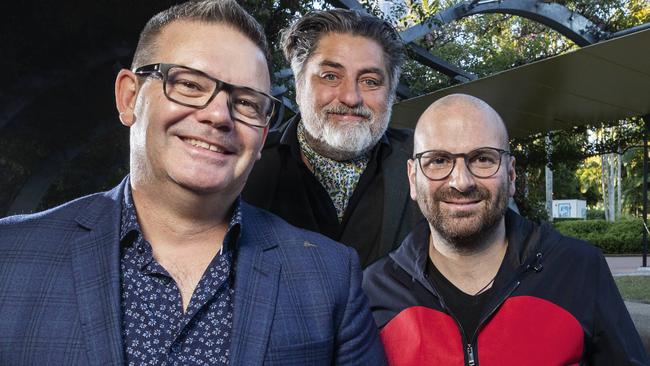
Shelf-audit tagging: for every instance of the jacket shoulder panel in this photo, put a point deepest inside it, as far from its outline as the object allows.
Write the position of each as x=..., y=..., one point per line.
x=43, y=228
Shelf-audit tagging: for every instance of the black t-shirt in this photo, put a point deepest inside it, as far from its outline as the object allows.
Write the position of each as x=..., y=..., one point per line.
x=466, y=308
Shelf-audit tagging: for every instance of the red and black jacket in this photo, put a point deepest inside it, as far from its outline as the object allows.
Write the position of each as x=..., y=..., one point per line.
x=554, y=303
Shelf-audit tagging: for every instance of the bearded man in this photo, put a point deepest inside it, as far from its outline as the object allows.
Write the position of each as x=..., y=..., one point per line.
x=479, y=284
x=336, y=168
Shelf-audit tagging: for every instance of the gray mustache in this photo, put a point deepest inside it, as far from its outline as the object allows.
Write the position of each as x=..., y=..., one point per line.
x=342, y=109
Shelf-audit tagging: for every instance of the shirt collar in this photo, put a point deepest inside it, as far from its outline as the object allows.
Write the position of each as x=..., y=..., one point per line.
x=129, y=218
x=233, y=234
x=130, y=228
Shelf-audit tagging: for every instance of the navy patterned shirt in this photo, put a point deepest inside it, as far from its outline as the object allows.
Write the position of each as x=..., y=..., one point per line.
x=155, y=330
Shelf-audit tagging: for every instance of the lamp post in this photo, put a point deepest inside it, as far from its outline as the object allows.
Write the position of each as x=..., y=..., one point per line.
x=646, y=131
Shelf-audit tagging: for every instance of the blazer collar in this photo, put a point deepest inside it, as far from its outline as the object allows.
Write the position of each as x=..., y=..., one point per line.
x=96, y=271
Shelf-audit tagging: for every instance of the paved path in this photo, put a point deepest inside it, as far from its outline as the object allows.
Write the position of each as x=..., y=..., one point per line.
x=640, y=313
x=621, y=266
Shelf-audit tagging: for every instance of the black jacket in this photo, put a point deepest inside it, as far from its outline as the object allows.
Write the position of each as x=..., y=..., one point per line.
x=555, y=303
x=376, y=222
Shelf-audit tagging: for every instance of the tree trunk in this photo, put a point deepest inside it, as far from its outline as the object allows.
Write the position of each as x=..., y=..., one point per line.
x=611, y=187
x=549, y=178
x=619, y=183
x=603, y=184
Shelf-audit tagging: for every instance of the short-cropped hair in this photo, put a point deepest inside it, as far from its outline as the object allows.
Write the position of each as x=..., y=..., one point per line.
x=227, y=12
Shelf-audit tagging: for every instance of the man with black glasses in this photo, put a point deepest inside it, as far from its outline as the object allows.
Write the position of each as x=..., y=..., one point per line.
x=171, y=267
x=477, y=284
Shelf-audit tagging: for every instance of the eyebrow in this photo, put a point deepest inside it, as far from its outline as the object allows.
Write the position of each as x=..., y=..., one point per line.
x=367, y=70
x=333, y=64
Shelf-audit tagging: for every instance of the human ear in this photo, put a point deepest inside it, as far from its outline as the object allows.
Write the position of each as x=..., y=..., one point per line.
x=126, y=91
x=411, y=171
x=512, y=176
x=265, y=132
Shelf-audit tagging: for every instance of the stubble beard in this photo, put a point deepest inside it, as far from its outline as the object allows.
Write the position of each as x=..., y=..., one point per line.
x=343, y=141
x=465, y=232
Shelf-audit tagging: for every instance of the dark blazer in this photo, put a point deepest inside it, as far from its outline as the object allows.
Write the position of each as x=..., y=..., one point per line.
x=275, y=181
x=298, y=297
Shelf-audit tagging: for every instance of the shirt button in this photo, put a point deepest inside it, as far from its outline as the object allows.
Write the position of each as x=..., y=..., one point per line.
x=176, y=347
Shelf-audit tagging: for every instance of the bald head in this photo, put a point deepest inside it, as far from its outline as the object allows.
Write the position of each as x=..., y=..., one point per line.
x=460, y=122
x=466, y=207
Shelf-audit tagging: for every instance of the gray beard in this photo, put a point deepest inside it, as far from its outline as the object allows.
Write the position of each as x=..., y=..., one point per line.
x=347, y=141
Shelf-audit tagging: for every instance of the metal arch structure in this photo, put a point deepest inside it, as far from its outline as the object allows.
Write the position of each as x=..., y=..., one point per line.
x=555, y=16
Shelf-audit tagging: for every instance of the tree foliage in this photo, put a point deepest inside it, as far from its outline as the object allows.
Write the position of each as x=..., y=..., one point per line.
x=489, y=43
x=481, y=44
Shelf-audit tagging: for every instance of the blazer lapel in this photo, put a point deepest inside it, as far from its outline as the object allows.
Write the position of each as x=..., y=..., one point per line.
x=95, y=262
x=257, y=276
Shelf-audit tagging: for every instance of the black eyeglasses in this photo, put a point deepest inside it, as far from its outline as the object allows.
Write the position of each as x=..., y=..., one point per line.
x=483, y=162
x=194, y=88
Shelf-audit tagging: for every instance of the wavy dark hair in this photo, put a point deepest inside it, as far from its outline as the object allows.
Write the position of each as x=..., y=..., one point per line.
x=301, y=39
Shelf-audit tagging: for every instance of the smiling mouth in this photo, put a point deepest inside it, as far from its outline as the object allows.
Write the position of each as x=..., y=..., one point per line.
x=205, y=145
x=461, y=202
x=350, y=115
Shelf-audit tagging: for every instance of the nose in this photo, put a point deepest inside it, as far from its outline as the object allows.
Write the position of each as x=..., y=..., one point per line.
x=217, y=113
x=461, y=179
x=349, y=93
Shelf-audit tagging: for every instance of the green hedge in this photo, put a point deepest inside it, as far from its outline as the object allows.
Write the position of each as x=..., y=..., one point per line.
x=620, y=237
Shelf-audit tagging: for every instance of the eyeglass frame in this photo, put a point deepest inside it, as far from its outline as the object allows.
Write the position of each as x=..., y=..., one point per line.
x=455, y=157
x=163, y=68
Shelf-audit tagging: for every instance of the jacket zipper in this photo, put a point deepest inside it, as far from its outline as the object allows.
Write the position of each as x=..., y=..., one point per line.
x=536, y=266
x=470, y=354
x=469, y=350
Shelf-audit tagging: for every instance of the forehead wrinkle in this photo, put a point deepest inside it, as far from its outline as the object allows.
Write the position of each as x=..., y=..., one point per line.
x=336, y=43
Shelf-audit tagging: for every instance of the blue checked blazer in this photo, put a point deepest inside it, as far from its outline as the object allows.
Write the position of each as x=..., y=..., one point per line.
x=298, y=297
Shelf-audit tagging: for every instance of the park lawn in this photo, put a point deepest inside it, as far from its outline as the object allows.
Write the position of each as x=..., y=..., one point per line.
x=634, y=288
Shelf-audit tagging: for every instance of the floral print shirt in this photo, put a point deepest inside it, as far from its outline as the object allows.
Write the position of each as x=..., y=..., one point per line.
x=155, y=329
x=339, y=178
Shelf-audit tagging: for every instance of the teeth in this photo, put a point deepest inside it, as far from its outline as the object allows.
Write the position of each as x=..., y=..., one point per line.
x=203, y=144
